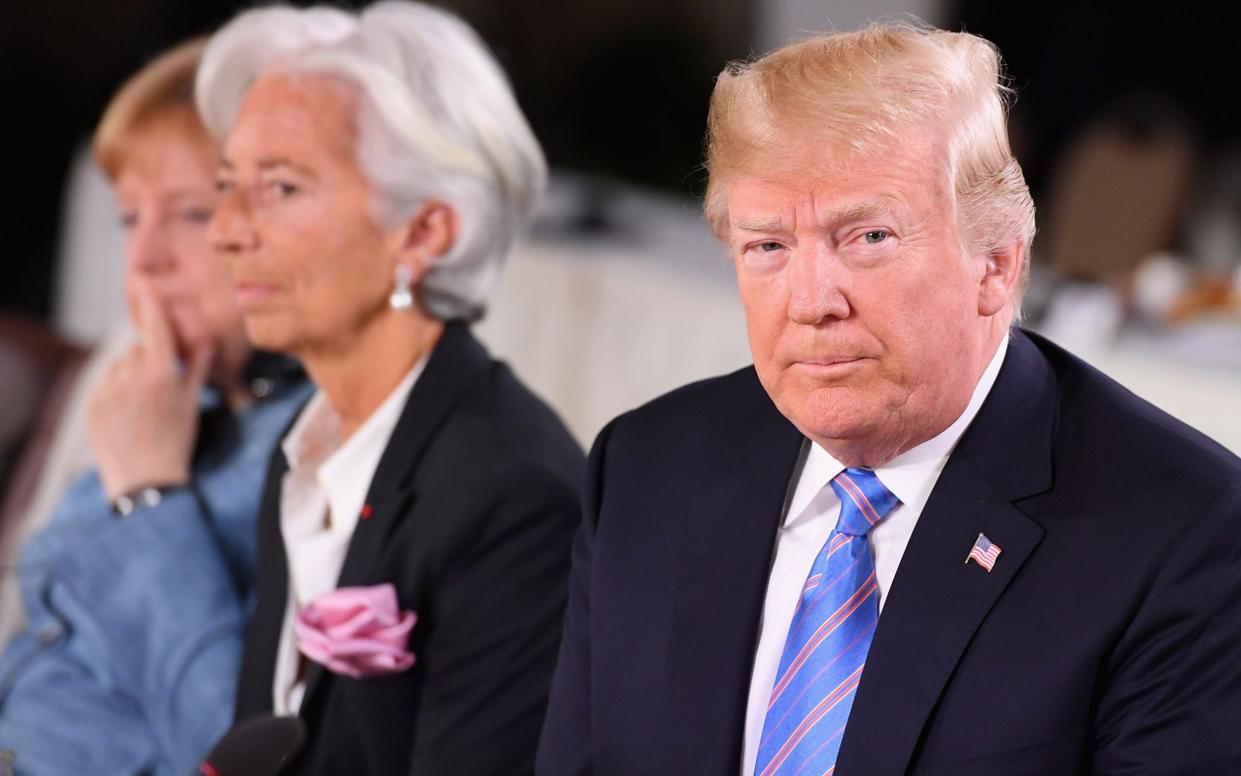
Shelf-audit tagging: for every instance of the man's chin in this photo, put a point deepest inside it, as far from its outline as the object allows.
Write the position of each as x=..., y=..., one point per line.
x=841, y=427
x=846, y=423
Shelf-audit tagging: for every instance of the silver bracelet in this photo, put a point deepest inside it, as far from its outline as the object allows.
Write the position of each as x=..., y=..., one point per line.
x=141, y=498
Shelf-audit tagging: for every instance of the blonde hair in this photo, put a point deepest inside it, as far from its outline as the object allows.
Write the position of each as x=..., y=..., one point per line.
x=163, y=90
x=859, y=90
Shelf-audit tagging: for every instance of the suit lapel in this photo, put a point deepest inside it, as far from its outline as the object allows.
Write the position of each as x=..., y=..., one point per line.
x=456, y=364
x=254, y=691
x=387, y=510
x=936, y=604
x=731, y=523
x=937, y=601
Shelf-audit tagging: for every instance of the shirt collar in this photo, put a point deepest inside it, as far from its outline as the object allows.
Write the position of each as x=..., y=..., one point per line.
x=314, y=440
x=314, y=435
x=356, y=460
x=910, y=475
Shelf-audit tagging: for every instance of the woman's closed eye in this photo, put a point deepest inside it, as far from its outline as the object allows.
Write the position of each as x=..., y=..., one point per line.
x=194, y=214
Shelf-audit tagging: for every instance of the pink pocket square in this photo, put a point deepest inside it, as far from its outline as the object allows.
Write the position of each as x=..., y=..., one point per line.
x=356, y=631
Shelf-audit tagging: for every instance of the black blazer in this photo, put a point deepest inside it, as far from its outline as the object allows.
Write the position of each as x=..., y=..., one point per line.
x=1107, y=638
x=473, y=506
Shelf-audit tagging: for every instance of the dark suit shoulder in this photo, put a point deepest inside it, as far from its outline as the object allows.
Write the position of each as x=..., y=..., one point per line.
x=1130, y=438
x=507, y=431
x=712, y=395
x=707, y=415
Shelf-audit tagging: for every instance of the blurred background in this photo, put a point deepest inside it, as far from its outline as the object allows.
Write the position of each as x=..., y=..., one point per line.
x=1128, y=126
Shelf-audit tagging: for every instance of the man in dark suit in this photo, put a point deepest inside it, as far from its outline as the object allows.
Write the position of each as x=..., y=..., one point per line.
x=910, y=539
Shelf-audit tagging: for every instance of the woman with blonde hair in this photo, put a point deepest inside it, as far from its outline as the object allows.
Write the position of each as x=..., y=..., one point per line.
x=136, y=593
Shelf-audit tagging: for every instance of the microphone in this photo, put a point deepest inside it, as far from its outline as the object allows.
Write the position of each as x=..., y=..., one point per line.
x=258, y=746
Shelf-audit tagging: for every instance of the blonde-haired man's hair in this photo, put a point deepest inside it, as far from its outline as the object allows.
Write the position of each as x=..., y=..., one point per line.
x=860, y=91
x=162, y=90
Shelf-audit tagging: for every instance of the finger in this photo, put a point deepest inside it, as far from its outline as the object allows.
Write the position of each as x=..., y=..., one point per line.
x=154, y=331
x=115, y=382
x=124, y=366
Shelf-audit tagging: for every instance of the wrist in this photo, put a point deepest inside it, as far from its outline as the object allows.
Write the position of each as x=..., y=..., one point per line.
x=123, y=483
x=141, y=498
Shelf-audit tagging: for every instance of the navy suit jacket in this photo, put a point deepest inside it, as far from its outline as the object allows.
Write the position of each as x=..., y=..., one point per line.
x=1107, y=638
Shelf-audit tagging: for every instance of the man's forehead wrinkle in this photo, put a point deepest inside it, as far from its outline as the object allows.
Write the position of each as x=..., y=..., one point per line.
x=759, y=223
x=856, y=211
x=765, y=206
x=823, y=211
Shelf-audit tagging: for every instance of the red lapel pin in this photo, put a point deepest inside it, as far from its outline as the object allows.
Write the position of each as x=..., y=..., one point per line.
x=366, y=511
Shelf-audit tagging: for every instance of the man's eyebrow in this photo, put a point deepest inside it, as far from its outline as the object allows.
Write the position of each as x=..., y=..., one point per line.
x=758, y=224
x=858, y=212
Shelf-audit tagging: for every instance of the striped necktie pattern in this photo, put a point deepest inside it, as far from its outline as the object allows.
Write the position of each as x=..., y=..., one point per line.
x=825, y=650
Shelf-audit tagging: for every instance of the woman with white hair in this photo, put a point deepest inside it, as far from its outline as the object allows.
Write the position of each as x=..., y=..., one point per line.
x=414, y=541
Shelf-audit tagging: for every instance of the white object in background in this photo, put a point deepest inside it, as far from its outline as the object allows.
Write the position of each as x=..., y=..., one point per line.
x=597, y=329
x=1083, y=317
x=1158, y=282
x=1187, y=375
x=89, y=297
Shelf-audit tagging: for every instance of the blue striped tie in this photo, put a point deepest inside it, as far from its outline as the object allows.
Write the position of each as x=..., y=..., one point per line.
x=825, y=650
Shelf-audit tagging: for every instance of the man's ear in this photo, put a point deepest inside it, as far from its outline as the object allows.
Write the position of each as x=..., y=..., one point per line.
x=427, y=235
x=1001, y=278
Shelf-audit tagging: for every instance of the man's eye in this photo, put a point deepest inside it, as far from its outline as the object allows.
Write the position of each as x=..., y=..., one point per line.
x=129, y=219
x=875, y=236
x=283, y=188
x=769, y=246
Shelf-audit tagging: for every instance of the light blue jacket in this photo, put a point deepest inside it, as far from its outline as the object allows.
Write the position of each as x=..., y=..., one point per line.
x=129, y=660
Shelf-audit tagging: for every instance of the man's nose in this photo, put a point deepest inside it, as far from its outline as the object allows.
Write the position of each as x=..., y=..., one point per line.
x=231, y=229
x=817, y=285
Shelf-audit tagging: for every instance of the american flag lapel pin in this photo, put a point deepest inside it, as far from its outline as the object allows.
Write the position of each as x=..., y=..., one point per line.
x=984, y=552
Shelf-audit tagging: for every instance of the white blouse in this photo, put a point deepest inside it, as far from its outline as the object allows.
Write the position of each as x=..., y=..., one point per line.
x=321, y=496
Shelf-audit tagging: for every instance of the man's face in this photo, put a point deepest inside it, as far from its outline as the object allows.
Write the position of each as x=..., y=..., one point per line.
x=863, y=306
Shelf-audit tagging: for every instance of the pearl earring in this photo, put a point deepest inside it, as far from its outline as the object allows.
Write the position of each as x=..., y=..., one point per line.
x=402, y=296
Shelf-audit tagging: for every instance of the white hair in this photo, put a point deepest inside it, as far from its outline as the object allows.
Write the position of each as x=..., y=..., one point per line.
x=436, y=120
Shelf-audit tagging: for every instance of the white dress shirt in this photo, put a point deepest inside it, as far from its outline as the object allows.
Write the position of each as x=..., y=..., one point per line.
x=321, y=497
x=811, y=517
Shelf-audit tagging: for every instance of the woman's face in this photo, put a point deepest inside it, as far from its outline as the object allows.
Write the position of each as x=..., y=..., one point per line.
x=166, y=193
x=311, y=267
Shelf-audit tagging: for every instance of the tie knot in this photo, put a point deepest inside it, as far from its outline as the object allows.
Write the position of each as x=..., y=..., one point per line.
x=864, y=501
